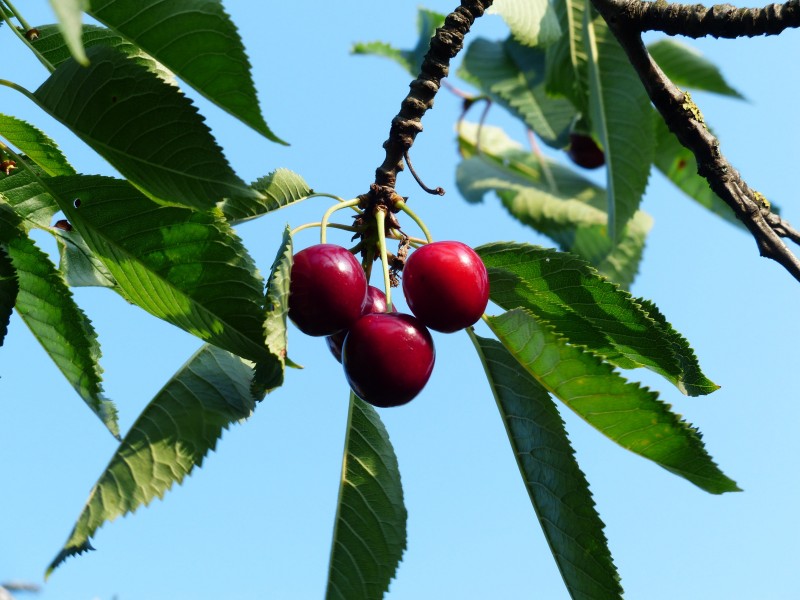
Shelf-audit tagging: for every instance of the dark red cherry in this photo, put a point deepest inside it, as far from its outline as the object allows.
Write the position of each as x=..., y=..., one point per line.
x=388, y=358
x=446, y=285
x=376, y=303
x=327, y=291
x=585, y=152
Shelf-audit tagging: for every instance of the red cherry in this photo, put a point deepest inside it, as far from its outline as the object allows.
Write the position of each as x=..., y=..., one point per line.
x=388, y=358
x=327, y=291
x=585, y=152
x=446, y=285
x=376, y=303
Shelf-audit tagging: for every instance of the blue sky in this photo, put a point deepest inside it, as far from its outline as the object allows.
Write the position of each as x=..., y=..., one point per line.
x=256, y=520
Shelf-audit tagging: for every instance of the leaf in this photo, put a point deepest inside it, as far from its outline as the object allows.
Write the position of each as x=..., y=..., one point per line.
x=534, y=23
x=9, y=287
x=46, y=305
x=70, y=15
x=687, y=67
x=269, y=374
x=197, y=41
x=588, y=311
x=556, y=485
x=513, y=76
x=279, y=189
x=620, y=113
x=78, y=264
x=183, y=266
x=410, y=60
x=169, y=439
x=35, y=145
x=630, y=415
x=566, y=64
x=144, y=127
x=369, y=536
x=24, y=192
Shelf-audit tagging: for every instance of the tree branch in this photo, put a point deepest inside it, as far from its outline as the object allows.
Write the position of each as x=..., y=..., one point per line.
x=695, y=21
x=684, y=119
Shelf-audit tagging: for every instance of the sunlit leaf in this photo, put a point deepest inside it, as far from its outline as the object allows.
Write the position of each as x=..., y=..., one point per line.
x=410, y=60
x=369, y=535
x=564, y=291
x=24, y=192
x=532, y=22
x=70, y=16
x=9, y=286
x=688, y=68
x=620, y=113
x=557, y=488
x=170, y=438
x=197, y=41
x=143, y=126
x=186, y=267
x=513, y=76
x=279, y=189
x=35, y=145
x=624, y=412
x=45, y=304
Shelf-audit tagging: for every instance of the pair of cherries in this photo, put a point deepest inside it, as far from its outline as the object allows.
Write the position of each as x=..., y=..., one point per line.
x=387, y=357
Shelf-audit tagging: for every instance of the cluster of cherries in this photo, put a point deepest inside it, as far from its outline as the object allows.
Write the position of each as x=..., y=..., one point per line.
x=387, y=356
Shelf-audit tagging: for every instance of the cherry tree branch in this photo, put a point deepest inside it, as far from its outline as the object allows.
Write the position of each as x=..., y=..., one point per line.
x=685, y=120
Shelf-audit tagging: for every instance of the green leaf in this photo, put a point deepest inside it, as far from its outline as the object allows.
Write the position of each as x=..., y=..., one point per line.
x=45, y=304
x=24, y=192
x=369, y=536
x=169, y=439
x=9, y=287
x=534, y=23
x=566, y=64
x=410, y=60
x=70, y=15
x=556, y=485
x=197, y=41
x=687, y=67
x=35, y=145
x=183, y=266
x=588, y=311
x=78, y=264
x=678, y=164
x=279, y=189
x=620, y=113
x=513, y=76
x=269, y=374
x=144, y=127
x=624, y=412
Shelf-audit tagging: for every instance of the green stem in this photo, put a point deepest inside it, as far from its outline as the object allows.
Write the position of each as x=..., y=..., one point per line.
x=46, y=63
x=404, y=207
x=380, y=217
x=329, y=212
x=20, y=89
x=25, y=25
x=319, y=224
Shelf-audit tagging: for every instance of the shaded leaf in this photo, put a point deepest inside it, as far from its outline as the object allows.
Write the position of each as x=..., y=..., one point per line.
x=197, y=41
x=566, y=64
x=410, y=60
x=37, y=146
x=687, y=67
x=555, y=483
x=78, y=264
x=588, y=311
x=31, y=201
x=513, y=76
x=279, y=189
x=369, y=535
x=70, y=16
x=534, y=23
x=9, y=286
x=143, y=126
x=45, y=304
x=620, y=113
x=269, y=373
x=624, y=412
x=169, y=439
x=183, y=266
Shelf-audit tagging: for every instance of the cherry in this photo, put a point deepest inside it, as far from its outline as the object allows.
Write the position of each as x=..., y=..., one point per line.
x=327, y=291
x=585, y=152
x=446, y=285
x=376, y=303
x=388, y=358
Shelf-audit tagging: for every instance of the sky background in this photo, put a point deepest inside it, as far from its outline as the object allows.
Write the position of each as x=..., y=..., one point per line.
x=256, y=520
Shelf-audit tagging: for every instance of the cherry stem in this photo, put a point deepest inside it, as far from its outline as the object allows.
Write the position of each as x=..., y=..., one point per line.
x=380, y=217
x=8, y=6
x=401, y=205
x=319, y=224
x=537, y=152
x=19, y=17
x=329, y=212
